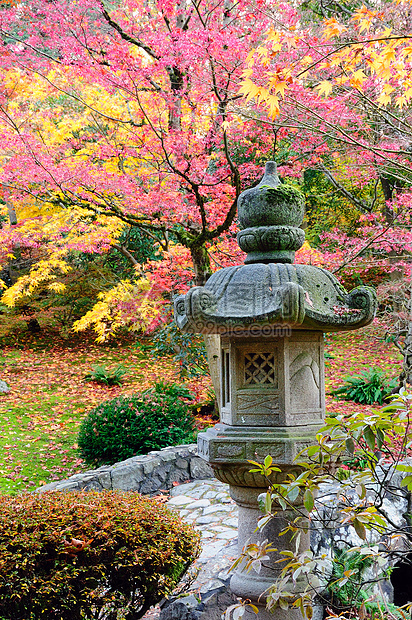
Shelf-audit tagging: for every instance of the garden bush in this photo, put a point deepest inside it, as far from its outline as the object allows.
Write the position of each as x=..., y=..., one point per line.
x=189, y=350
x=349, y=592
x=369, y=387
x=126, y=426
x=83, y=556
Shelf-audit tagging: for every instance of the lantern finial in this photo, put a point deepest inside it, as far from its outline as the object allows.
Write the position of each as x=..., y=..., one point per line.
x=270, y=215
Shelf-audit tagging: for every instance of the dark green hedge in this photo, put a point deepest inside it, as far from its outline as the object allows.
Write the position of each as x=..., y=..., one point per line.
x=123, y=427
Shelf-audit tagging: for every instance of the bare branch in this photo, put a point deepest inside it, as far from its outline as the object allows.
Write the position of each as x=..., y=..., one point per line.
x=127, y=37
x=359, y=203
x=126, y=253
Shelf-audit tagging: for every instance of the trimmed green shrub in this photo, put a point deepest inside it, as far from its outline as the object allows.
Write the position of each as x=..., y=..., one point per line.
x=369, y=387
x=126, y=426
x=82, y=556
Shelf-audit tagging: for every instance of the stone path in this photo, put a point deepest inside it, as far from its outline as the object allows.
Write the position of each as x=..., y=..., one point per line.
x=208, y=505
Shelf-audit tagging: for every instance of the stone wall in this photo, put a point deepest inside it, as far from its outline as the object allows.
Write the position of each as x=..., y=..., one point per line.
x=146, y=474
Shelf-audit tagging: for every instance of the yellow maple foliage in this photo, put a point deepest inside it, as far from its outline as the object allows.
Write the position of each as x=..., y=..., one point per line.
x=126, y=305
x=348, y=55
x=43, y=273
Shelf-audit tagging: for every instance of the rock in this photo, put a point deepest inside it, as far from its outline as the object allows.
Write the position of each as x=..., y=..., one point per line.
x=199, y=503
x=180, y=500
x=127, y=477
x=229, y=534
x=65, y=486
x=200, y=469
x=217, y=508
x=150, y=486
x=207, y=519
x=178, y=475
x=318, y=612
x=148, y=474
x=181, y=463
x=184, y=608
x=198, y=489
x=216, y=603
x=150, y=465
x=105, y=479
x=4, y=388
x=215, y=598
x=210, y=550
x=93, y=485
x=395, y=505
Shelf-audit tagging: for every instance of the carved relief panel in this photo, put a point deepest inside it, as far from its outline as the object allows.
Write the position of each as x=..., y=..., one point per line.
x=306, y=382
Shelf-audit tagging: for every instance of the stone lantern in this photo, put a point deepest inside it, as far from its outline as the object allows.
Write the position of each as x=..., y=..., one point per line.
x=270, y=315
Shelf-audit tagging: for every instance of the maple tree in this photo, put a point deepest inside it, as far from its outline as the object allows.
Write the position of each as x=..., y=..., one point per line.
x=338, y=94
x=117, y=116
x=125, y=126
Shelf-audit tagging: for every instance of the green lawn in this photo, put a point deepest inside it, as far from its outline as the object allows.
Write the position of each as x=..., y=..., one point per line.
x=40, y=418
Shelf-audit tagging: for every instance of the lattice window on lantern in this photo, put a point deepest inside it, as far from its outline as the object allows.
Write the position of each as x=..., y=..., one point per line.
x=260, y=369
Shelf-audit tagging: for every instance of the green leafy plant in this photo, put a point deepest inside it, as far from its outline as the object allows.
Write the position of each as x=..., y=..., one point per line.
x=187, y=349
x=83, y=556
x=344, y=595
x=369, y=387
x=100, y=374
x=126, y=426
x=347, y=590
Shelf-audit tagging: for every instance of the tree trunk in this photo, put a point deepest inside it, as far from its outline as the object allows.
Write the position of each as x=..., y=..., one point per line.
x=387, y=189
x=11, y=212
x=175, y=110
x=201, y=264
x=176, y=78
x=33, y=326
x=405, y=378
x=407, y=359
x=395, y=277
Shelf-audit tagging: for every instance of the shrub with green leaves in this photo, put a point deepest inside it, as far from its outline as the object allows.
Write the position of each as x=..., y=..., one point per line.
x=100, y=374
x=189, y=350
x=82, y=556
x=345, y=595
x=369, y=387
x=126, y=426
x=349, y=590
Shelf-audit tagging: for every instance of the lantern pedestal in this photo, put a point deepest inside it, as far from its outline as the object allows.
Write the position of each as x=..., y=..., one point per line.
x=272, y=403
x=252, y=585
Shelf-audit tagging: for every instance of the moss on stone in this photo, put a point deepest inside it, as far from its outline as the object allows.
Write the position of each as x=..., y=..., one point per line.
x=285, y=192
